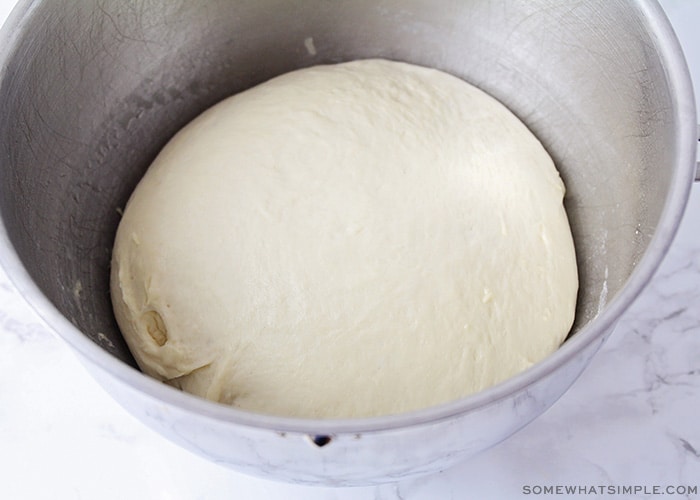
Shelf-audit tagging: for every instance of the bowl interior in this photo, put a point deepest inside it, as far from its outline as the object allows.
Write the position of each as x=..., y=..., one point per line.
x=91, y=91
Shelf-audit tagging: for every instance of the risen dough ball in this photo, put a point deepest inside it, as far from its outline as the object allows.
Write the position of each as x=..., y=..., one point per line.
x=349, y=240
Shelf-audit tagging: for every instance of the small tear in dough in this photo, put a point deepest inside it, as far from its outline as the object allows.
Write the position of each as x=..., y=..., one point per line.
x=155, y=326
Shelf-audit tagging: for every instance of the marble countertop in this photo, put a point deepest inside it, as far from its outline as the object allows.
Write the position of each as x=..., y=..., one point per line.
x=630, y=420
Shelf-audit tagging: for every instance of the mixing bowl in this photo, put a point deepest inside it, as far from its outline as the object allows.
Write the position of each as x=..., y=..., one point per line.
x=90, y=91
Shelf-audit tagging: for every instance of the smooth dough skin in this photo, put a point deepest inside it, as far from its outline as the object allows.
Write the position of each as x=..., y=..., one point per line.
x=348, y=240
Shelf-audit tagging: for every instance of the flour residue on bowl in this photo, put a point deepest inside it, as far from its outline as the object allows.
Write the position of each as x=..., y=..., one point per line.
x=310, y=46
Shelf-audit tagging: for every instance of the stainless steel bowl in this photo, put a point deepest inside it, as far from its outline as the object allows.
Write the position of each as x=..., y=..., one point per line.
x=90, y=91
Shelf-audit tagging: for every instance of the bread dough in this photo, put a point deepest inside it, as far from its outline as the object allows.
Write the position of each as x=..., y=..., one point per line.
x=347, y=240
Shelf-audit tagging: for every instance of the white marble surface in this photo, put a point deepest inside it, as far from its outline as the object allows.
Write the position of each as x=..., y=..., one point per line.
x=631, y=419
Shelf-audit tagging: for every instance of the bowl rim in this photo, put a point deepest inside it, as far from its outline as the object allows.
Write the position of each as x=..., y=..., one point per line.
x=685, y=123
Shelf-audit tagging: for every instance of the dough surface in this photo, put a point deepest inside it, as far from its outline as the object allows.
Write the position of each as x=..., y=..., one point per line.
x=348, y=240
